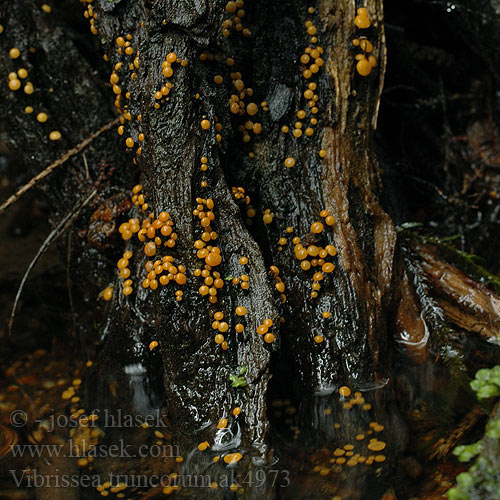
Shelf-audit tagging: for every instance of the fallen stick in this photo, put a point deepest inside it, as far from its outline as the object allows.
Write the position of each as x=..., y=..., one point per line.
x=63, y=159
x=54, y=234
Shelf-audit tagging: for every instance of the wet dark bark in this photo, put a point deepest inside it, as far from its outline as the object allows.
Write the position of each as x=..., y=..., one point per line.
x=370, y=294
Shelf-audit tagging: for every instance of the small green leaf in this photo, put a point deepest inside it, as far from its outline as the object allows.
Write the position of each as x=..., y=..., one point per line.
x=238, y=380
x=456, y=494
x=488, y=391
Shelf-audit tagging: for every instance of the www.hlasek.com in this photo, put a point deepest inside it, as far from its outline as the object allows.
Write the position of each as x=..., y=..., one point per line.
x=117, y=450
x=257, y=478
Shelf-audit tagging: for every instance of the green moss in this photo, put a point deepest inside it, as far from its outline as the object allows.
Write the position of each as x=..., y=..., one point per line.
x=469, y=263
x=482, y=480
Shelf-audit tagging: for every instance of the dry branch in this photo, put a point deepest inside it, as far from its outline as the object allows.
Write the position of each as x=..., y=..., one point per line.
x=60, y=161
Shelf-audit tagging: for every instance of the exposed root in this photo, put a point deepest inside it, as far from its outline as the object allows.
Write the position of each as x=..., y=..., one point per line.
x=467, y=303
x=445, y=445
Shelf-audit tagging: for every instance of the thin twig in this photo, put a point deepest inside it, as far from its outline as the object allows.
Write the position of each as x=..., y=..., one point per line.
x=63, y=159
x=68, y=281
x=87, y=175
x=54, y=234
